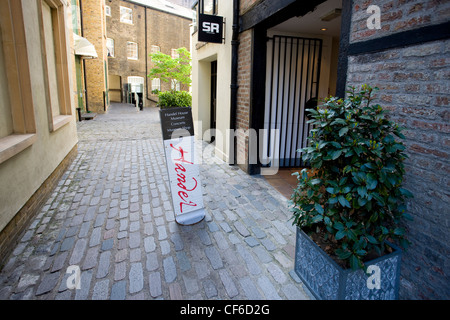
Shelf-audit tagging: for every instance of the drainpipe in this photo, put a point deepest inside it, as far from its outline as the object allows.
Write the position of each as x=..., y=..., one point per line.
x=84, y=62
x=234, y=73
x=146, y=58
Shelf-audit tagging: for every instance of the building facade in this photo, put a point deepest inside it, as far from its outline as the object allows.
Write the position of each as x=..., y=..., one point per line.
x=38, y=137
x=287, y=55
x=93, y=28
x=135, y=30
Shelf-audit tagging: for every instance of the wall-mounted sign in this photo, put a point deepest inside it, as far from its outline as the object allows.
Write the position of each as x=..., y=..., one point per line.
x=210, y=28
x=184, y=176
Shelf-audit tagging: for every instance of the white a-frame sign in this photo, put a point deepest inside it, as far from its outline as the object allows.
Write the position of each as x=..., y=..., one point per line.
x=184, y=176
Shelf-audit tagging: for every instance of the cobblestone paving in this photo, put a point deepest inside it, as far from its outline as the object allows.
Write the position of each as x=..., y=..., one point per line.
x=111, y=216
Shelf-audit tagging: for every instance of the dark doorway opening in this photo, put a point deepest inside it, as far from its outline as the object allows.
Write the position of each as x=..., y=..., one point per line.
x=213, y=97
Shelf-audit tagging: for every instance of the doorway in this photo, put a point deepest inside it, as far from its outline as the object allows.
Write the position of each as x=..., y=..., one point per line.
x=292, y=84
x=213, y=104
x=300, y=70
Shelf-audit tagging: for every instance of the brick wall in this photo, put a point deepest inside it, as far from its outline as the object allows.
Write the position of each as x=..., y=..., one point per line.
x=414, y=84
x=397, y=16
x=165, y=30
x=243, y=97
x=246, y=5
x=95, y=31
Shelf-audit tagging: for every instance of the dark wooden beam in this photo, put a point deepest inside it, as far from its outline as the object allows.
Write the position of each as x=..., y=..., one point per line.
x=270, y=13
x=402, y=39
x=346, y=21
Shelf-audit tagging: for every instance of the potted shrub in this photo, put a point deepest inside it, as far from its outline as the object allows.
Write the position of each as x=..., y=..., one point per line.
x=349, y=207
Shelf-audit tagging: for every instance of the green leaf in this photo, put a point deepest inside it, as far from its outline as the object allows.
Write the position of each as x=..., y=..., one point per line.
x=344, y=202
x=362, y=191
x=316, y=181
x=354, y=262
x=371, y=239
x=332, y=200
x=318, y=208
x=335, y=154
x=338, y=121
x=343, y=254
x=340, y=234
x=317, y=218
x=343, y=131
x=339, y=226
x=399, y=231
x=371, y=181
x=406, y=193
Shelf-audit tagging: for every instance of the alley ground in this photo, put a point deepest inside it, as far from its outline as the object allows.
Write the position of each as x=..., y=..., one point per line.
x=111, y=216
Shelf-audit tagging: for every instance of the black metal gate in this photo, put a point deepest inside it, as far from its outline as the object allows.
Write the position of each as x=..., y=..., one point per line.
x=292, y=85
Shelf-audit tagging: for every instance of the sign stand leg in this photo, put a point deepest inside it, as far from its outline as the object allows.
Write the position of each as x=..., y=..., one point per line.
x=190, y=218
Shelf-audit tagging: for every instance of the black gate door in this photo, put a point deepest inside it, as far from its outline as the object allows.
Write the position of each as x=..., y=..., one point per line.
x=292, y=85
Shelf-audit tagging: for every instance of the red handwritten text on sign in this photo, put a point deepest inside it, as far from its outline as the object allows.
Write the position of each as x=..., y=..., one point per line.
x=183, y=184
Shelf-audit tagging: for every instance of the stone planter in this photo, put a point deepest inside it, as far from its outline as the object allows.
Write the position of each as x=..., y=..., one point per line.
x=328, y=281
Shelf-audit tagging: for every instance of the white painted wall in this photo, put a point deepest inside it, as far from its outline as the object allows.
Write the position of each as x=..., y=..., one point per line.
x=24, y=173
x=201, y=83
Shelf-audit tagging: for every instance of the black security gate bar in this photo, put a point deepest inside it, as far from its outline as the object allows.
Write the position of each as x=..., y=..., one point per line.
x=292, y=81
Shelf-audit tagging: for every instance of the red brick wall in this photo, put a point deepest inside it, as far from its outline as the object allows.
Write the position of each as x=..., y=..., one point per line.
x=397, y=16
x=243, y=96
x=246, y=5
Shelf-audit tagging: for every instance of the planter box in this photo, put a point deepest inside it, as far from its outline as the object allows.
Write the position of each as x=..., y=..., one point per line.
x=328, y=281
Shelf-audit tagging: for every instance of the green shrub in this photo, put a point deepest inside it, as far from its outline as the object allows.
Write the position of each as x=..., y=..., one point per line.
x=172, y=99
x=352, y=200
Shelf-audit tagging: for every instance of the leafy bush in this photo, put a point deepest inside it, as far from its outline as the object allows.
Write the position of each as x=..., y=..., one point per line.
x=352, y=201
x=172, y=99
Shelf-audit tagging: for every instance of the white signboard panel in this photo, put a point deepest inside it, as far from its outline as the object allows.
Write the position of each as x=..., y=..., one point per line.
x=184, y=175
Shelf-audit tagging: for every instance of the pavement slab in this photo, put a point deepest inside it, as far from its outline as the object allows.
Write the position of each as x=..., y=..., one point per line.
x=110, y=218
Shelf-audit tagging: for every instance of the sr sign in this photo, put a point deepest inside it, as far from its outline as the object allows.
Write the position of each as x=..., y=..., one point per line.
x=210, y=28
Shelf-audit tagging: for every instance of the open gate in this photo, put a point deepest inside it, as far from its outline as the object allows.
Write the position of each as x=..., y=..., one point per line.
x=292, y=85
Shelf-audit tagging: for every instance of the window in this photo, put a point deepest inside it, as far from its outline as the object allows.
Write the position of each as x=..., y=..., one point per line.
x=155, y=49
x=137, y=84
x=17, y=123
x=56, y=70
x=175, y=85
x=132, y=50
x=108, y=11
x=175, y=54
x=126, y=15
x=110, y=47
x=156, y=84
x=208, y=7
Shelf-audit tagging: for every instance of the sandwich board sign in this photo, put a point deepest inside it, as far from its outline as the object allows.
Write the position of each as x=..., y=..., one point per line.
x=184, y=175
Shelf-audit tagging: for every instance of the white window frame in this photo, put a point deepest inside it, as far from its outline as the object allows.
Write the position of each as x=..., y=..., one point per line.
x=108, y=11
x=155, y=49
x=135, y=81
x=156, y=84
x=126, y=11
x=109, y=48
x=133, y=57
x=175, y=54
x=175, y=85
x=59, y=107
